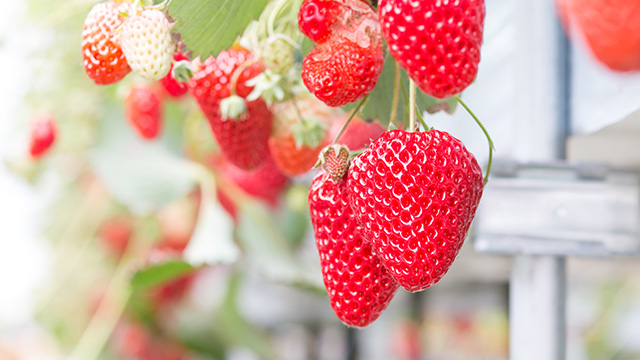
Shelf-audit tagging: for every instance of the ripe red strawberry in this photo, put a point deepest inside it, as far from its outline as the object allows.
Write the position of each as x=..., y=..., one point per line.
x=144, y=111
x=316, y=17
x=172, y=86
x=415, y=195
x=359, y=286
x=436, y=42
x=265, y=183
x=293, y=159
x=345, y=66
x=611, y=29
x=43, y=134
x=358, y=134
x=102, y=56
x=243, y=140
x=115, y=234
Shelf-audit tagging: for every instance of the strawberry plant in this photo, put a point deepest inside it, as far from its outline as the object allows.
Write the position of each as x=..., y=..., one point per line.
x=266, y=117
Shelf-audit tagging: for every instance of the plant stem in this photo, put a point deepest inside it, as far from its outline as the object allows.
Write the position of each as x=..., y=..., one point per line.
x=355, y=111
x=412, y=106
x=486, y=133
x=396, y=94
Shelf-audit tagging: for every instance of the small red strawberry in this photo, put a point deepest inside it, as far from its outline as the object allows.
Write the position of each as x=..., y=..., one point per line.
x=146, y=42
x=102, y=56
x=358, y=134
x=359, y=286
x=115, y=234
x=345, y=66
x=611, y=29
x=144, y=111
x=43, y=134
x=172, y=86
x=415, y=195
x=242, y=140
x=316, y=17
x=293, y=157
x=265, y=183
x=436, y=42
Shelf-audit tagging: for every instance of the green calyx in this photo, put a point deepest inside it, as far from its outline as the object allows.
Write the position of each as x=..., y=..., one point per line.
x=182, y=71
x=233, y=107
x=309, y=132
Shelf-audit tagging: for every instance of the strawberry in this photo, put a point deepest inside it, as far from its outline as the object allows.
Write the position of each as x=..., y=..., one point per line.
x=359, y=286
x=265, y=183
x=43, y=134
x=358, y=134
x=242, y=140
x=115, y=234
x=345, y=67
x=299, y=132
x=147, y=44
x=316, y=17
x=415, y=195
x=102, y=56
x=448, y=35
x=144, y=111
x=173, y=87
x=611, y=29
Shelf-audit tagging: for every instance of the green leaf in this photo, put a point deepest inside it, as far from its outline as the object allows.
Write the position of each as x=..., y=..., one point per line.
x=378, y=106
x=159, y=274
x=268, y=248
x=208, y=26
x=142, y=175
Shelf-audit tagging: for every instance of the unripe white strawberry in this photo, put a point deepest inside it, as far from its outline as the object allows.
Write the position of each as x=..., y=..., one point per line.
x=146, y=42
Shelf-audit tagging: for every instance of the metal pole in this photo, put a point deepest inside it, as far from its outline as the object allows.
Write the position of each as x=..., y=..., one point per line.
x=537, y=311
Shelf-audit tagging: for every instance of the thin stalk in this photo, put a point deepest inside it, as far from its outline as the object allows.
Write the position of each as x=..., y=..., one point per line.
x=412, y=105
x=355, y=111
x=406, y=107
x=396, y=95
x=486, y=133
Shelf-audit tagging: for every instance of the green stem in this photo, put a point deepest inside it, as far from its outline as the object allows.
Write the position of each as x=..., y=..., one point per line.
x=486, y=133
x=406, y=107
x=396, y=95
x=412, y=105
x=355, y=111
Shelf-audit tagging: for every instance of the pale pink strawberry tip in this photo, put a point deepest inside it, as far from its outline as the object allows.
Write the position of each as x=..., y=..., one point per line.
x=415, y=195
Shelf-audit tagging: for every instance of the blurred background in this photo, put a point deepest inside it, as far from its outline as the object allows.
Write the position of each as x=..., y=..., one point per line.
x=113, y=247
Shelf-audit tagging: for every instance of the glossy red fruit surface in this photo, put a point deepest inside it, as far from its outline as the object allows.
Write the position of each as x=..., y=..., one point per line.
x=316, y=17
x=144, y=111
x=243, y=140
x=173, y=87
x=611, y=29
x=415, y=195
x=359, y=286
x=43, y=134
x=102, y=56
x=436, y=42
x=345, y=66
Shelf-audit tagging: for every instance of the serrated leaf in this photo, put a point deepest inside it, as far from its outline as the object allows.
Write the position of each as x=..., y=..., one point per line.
x=159, y=274
x=378, y=105
x=208, y=26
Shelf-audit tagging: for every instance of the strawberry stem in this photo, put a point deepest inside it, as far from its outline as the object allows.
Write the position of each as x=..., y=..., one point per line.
x=396, y=95
x=486, y=133
x=355, y=111
x=412, y=106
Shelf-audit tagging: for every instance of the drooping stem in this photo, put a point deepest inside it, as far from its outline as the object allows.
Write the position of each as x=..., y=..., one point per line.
x=486, y=133
x=412, y=105
x=396, y=95
x=355, y=111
